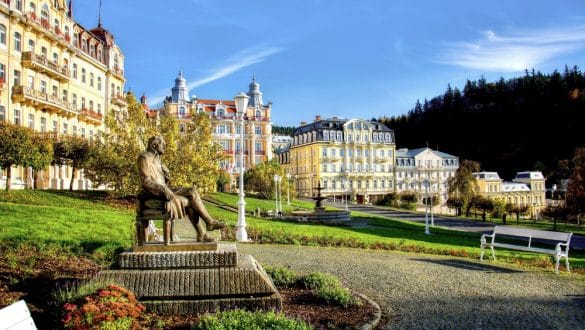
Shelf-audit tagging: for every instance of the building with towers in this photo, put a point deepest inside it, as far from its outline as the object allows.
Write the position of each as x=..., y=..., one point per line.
x=257, y=146
x=57, y=77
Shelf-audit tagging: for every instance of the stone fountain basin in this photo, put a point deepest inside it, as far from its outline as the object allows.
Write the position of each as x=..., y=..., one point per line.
x=329, y=217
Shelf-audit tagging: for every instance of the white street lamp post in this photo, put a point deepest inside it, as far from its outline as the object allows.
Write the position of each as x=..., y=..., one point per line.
x=431, y=207
x=345, y=194
x=241, y=101
x=427, y=231
x=288, y=189
x=276, y=178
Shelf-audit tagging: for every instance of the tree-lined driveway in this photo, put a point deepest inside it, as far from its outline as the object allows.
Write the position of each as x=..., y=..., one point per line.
x=577, y=241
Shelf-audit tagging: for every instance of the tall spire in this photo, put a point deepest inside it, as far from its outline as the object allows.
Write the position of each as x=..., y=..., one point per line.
x=70, y=9
x=100, y=15
x=180, y=92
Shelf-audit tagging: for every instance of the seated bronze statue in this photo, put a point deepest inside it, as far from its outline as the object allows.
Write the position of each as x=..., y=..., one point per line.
x=157, y=196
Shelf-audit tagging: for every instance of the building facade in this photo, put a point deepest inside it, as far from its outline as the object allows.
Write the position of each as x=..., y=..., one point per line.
x=351, y=158
x=527, y=188
x=257, y=132
x=425, y=171
x=57, y=77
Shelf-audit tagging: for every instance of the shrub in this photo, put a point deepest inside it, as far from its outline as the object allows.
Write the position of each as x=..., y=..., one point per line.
x=281, y=276
x=111, y=307
x=335, y=295
x=245, y=320
x=318, y=280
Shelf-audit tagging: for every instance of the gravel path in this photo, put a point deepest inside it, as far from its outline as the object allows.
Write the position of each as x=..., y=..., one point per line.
x=434, y=292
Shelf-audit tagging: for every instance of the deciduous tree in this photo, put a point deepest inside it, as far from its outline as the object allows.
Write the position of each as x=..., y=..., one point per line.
x=73, y=151
x=463, y=185
x=15, y=148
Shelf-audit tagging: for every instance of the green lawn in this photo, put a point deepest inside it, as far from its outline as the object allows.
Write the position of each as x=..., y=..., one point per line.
x=86, y=223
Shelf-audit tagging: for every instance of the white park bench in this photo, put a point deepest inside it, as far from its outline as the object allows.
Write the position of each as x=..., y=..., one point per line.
x=16, y=317
x=522, y=240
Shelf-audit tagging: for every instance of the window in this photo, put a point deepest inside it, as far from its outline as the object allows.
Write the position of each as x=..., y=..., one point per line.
x=3, y=72
x=90, y=105
x=182, y=111
x=99, y=108
x=74, y=130
x=17, y=42
x=55, y=91
x=43, y=124
x=18, y=4
x=55, y=58
x=220, y=112
x=182, y=128
x=74, y=70
x=44, y=86
x=31, y=121
x=65, y=128
x=65, y=95
x=17, y=117
x=17, y=78
x=82, y=132
x=2, y=113
x=2, y=34
x=55, y=126
x=258, y=146
x=82, y=102
x=324, y=168
x=83, y=74
x=326, y=135
x=258, y=114
x=74, y=100
x=99, y=83
x=31, y=45
x=91, y=79
x=258, y=130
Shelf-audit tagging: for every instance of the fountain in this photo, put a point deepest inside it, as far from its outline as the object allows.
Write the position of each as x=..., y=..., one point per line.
x=319, y=208
x=320, y=215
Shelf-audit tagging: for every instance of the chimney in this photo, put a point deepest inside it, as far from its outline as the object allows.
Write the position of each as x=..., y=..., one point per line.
x=317, y=118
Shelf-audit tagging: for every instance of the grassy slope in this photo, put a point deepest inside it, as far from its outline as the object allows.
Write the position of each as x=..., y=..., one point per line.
x=91, y=225
x=46, y=218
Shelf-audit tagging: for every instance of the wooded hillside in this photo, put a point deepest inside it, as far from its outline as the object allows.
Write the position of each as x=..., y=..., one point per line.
x=526, y=123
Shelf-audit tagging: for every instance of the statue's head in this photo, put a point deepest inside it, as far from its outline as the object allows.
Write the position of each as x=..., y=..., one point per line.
x=157, y=143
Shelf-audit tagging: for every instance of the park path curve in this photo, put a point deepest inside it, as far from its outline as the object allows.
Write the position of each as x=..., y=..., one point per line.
x=437, y=292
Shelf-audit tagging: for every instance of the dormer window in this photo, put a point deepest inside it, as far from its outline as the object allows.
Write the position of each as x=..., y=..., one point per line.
x=220, y=112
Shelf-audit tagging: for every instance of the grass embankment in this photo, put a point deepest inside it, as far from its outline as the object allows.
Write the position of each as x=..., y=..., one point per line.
x=85, y=222
x=382, y=233
x=80, y=222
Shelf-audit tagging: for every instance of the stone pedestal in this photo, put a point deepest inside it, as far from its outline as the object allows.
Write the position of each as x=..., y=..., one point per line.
x=193, y=282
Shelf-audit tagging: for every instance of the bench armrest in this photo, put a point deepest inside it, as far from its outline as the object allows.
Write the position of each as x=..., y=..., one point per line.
x=483, y=239
x=560, y=246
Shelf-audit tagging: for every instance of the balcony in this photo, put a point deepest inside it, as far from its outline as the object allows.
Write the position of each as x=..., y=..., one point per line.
x=254, y=118
x=42, y=25
x=41, y=64
x=118, y=72
x=44, y=101
x=118, y=100
x=90, y=116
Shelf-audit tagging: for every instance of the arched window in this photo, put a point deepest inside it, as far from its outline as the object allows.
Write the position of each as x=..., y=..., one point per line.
x=182, y=111
x=220, y=112
x=258, y=114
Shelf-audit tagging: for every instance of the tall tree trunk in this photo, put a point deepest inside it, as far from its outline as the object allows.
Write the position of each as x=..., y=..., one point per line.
x=73, y=172
x=8, y=177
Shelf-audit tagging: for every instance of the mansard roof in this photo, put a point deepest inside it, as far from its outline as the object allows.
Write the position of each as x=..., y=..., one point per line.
x=338, y=124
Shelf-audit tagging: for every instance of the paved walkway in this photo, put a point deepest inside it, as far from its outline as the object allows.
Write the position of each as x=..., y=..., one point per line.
x=435, y=292
x=577, y=241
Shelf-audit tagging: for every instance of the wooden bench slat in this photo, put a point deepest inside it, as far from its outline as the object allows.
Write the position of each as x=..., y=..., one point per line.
x=524, y=248
x=16, y=316
x=534, y=233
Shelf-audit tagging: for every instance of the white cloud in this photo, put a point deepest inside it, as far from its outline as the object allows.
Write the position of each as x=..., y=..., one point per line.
x=514, y=52
x=240, y=60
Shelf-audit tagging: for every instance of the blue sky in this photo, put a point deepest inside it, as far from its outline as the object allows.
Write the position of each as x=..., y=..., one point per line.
x=345, y=58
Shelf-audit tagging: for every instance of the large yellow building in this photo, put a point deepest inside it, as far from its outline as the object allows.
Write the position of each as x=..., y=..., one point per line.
x=57, y=77
x=352, y=158
x=527, y=188
x=226, y=128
